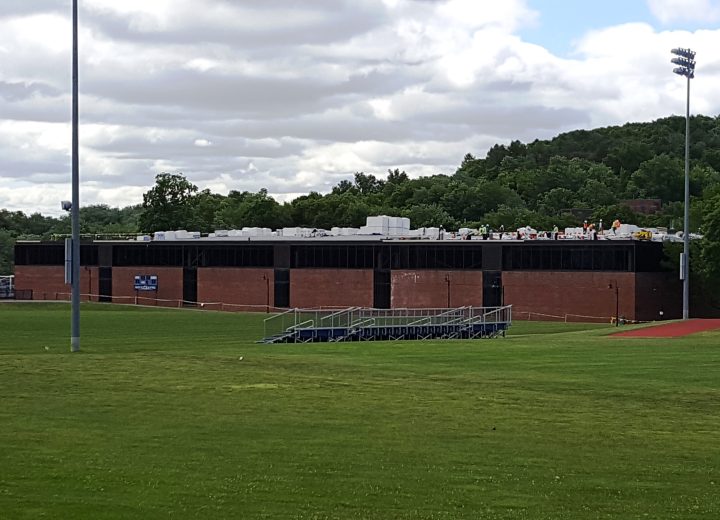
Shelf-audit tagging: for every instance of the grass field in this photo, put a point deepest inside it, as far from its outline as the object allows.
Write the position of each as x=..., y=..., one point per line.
x=157, y=417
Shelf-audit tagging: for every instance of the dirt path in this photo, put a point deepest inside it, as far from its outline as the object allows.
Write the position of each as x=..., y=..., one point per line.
x=672, y=330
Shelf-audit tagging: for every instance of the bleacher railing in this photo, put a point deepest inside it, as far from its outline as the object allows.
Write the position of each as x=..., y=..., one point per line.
x=350, y=320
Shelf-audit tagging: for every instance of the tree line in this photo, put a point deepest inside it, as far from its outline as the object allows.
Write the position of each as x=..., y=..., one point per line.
x=544, y=183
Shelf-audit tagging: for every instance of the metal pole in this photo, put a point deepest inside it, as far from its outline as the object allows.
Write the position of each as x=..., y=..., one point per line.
x=447, y=279
x=686, y=226
x=617, y=305
x=75, y=211
x=267, y=292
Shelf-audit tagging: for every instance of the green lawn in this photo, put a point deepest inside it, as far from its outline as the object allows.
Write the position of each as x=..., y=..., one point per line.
x=157, y=417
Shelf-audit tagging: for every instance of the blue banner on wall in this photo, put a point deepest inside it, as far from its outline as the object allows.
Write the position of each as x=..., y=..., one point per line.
x=146, y=282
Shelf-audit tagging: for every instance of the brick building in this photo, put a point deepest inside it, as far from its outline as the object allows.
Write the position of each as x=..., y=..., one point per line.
x=552, y=279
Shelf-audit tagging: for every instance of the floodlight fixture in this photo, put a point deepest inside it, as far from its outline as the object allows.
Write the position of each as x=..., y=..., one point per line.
x=684, y=62
x=682, y=71
x=685, y=53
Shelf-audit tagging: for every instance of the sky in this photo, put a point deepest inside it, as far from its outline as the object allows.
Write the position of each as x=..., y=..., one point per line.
x=296, y=95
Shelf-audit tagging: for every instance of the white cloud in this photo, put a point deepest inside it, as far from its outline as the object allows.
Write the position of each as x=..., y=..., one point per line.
x=295, y=97
x=507, y=15
x=668, y=11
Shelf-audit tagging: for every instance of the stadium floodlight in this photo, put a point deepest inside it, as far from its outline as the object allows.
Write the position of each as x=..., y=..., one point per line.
x=685, y=53
x=686, y=61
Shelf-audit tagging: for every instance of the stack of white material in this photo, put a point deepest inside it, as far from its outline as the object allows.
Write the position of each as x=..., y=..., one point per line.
x=432, y=233
x=527, y=232
x=384, y=225
x=398, y=226
x=574, y=232
x=343, y=231
x=379, y=225
x=289, y=232
x=181, y=234
x=167, y=235
x=255, y=232
x=627, y=229
x=302, y=232
x=143, y=238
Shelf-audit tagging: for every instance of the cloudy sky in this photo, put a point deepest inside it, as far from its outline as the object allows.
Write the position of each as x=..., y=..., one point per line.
x=296, y=95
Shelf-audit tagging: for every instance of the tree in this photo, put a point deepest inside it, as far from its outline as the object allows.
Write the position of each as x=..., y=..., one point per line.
x=628, y=156
x=471, y=168
x=168, y=205
x=661, y=177
x=367, y=184
x=7, y=244
x=709, y=260
x=345, y=186
x=245, y=209
x=512, y=218
x=556, y=200
x=616, y=211
x=430, y=215
x=396, y=177
x=205, y=207
x=596, y=193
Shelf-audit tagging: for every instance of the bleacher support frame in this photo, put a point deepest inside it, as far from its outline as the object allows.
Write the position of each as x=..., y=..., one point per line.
x=367, y=324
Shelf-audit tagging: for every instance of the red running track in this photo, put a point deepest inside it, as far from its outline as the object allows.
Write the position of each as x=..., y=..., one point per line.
x=672, y=330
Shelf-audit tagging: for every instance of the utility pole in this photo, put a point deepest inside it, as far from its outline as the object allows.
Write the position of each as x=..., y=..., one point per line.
x=75, y=210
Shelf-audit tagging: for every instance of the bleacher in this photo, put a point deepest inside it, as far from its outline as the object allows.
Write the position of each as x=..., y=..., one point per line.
x=366, y=324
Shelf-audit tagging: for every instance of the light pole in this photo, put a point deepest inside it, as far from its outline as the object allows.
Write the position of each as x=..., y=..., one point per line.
x=75, y=210
x=267, y=292
x=685, y=59
x=447, y=280
x=614, y=285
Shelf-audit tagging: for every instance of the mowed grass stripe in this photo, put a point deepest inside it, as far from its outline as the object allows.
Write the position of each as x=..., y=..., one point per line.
x=157, y=417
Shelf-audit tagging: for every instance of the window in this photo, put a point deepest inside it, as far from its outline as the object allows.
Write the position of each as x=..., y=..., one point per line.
x=52, y=254
x=194, y=255
x=568, y=257
x=421, y=256
x=341, y=256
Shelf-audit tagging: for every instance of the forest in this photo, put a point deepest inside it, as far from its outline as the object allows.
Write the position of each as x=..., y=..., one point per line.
x=579, y=174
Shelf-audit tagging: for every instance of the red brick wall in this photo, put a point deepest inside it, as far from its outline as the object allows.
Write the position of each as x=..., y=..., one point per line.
x=582, y=295
x=244, y=288
x=429, y=289
x=48, y=282
x=641, y=295
x=89, y=286
x=170, y=286
x=45, y=282
x=657, y=292
x=331, y=288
